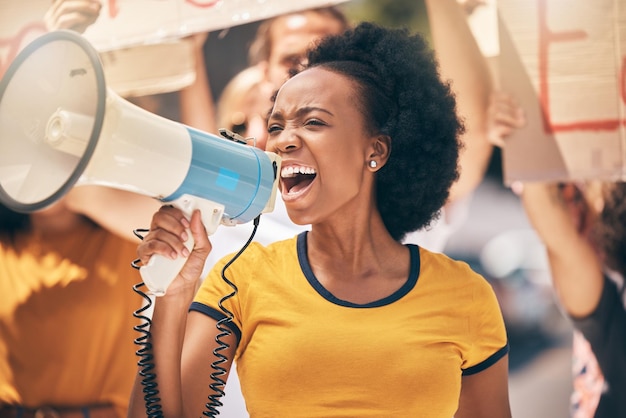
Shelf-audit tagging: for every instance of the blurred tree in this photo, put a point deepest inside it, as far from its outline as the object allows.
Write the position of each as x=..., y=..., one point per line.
x=409, y=14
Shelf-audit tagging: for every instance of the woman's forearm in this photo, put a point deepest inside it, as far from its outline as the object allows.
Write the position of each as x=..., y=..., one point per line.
x=575, y=267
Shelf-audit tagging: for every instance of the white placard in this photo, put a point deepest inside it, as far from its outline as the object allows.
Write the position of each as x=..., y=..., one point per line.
x=563, y=60
x=126, y=26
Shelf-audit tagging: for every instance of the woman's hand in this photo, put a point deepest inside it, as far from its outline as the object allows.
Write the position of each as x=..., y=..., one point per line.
x=168, y=232
x=504, y=117
x=75, y=15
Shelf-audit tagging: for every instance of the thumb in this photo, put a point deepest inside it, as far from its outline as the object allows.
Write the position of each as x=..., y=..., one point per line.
x=201, y=249
x=198, y=231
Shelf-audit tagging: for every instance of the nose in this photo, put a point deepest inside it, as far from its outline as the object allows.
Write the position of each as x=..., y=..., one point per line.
x=287, y=141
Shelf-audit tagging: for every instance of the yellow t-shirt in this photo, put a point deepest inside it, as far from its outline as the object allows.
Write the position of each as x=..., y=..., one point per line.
x=66, y=319
x=305, y=353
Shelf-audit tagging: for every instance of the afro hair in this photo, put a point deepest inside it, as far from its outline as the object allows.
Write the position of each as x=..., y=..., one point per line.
x=402, y=96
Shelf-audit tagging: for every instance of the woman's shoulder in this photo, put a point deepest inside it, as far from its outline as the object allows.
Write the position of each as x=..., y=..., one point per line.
x=443, y=261
x=257, y=251
x=277, y=246
x=449, y=271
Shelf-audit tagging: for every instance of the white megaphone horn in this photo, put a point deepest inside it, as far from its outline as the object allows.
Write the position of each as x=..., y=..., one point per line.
x=60, y=127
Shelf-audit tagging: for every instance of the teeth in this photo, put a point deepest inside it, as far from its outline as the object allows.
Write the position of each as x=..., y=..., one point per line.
x=292, y=171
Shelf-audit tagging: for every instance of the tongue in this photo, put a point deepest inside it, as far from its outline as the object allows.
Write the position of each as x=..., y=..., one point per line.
x=302, y=184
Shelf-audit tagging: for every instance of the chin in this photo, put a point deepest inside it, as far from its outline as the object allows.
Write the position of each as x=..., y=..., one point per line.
x=299, y=218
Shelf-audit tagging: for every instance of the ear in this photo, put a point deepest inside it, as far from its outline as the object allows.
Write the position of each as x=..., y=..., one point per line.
x=379, y=151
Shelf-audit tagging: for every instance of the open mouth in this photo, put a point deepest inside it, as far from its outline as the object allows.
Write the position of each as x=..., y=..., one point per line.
x=295, y=178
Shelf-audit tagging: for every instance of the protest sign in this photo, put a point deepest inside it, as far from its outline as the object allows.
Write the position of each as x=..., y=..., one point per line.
x=563, y=62
x=142, y=41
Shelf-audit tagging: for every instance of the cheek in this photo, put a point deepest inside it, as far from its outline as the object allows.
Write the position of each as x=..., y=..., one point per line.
x=345, y=170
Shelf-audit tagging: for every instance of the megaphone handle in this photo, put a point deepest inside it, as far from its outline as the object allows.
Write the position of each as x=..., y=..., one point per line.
x=160, y=271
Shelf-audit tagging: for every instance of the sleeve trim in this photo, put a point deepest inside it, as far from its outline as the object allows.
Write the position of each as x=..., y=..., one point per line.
x=488, y=362
x=218, y=315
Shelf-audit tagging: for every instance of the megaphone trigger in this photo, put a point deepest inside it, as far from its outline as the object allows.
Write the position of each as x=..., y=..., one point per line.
x=159, y=272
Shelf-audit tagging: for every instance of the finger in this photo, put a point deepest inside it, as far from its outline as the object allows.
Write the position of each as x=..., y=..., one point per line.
x=502, y=99
x=77, y=22
x=509, y=119
x=517, y=187
x=167, y=235
x=510, y=110
x=502, y=104
x=49, y=16
x=72, y=14
x=505, y=116
x=497, y=135
x=202, y=247
x=172, y=220
x=159, y=242
x=86, y=7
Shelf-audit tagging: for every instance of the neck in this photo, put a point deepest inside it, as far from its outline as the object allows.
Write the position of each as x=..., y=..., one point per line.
x=360, y=251
x=360, y=267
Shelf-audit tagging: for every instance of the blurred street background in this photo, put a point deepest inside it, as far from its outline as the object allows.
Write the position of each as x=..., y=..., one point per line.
x=497, y=240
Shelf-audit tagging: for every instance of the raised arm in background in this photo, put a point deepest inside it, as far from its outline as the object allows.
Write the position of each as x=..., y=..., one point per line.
x=462, y=62
x=197, y=105
x=581, y=226
x=562, y=218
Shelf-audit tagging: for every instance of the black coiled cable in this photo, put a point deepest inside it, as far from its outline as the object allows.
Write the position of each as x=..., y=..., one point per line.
x=150, y=390
x=218, y=383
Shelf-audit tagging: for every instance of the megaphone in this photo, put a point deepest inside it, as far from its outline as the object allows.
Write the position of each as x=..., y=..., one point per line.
x=60, y=127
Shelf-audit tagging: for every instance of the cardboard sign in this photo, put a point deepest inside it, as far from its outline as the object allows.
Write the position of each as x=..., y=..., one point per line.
x=124, y=23
x=141, y=41
x=564, y=63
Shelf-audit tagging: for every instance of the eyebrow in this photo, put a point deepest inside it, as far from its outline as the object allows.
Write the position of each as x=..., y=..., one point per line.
x=300, y=112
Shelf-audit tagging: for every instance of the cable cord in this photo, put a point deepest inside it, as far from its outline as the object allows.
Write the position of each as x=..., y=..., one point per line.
x=150, y=389
x=218, y=383
x=146, y=363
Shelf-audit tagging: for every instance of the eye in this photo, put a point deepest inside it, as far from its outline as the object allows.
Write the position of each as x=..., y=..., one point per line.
x=314, y=122
x=274, y=128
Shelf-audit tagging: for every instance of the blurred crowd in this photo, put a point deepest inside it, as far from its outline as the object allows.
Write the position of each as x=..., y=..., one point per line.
x=67, y=329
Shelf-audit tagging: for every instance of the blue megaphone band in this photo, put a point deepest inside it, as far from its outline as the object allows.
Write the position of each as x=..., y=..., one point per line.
x=238, y=176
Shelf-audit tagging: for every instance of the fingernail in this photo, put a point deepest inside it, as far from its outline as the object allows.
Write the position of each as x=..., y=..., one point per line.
x=184, y=236
x=185, y=252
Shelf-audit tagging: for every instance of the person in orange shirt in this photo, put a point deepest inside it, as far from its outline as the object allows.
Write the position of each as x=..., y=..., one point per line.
x=66, y=299
x=66, y=306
